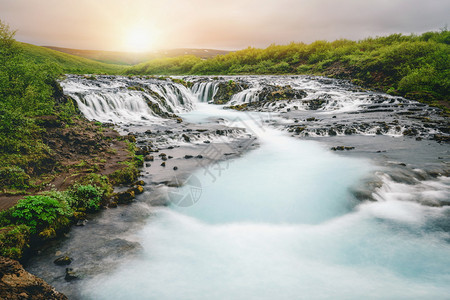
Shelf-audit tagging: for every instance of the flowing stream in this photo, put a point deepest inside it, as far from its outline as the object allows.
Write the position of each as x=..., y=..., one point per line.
x=283, y=221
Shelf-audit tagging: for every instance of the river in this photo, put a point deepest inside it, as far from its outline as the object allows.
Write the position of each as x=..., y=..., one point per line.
x=286, y=219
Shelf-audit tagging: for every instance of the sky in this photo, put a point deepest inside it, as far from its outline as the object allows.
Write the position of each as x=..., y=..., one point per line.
x=142, y=25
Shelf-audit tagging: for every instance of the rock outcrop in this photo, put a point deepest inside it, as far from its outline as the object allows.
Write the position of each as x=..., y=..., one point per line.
x=226, y=90
x=16, y=283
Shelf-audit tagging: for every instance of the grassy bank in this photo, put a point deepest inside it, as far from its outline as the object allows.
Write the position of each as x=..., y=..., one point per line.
x=65, y=63
x=54, y=165
x=415, y=66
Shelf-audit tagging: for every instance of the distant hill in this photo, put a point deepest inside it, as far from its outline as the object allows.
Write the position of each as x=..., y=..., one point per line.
x=130, y=58
x=67, y=62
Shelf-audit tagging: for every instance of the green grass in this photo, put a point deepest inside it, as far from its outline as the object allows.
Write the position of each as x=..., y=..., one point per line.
x=30, y=95
x=67, y=63
x=415, y=66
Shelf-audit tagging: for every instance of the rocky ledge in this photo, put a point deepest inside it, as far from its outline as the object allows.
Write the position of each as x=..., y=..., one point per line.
x=16, y=283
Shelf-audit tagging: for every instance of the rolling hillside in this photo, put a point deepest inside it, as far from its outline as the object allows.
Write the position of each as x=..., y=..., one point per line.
x=129, y=58
x=68, y=63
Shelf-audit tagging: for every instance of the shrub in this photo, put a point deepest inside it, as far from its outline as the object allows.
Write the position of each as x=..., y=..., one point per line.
x=101, y=182
x=86, y=196
x=13, y=177
x=41, y=212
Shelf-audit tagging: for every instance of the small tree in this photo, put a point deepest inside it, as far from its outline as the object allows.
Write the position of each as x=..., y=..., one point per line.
x=6, y=39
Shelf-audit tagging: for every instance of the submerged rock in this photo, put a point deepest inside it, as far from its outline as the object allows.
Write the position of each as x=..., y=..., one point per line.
x=70, y=275
x=125, y=197
x=149, y=158
x=138, y=190
x=342, y=148
x=62, y=261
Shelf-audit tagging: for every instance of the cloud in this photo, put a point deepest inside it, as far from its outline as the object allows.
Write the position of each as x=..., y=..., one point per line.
x=230, y=24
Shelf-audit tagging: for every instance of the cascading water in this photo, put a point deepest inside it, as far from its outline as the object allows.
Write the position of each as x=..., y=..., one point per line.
x=281, y=223
x=125, y=100
x=205, y=91
x=290, y=219
x=246, y=96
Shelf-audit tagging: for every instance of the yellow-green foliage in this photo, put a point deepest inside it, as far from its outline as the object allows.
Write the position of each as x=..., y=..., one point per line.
x=407, y=65
x=28, y=91
x=168, y=65
x=14, y=240
x=101, y=182
x=67, y=63
x=13, y=177
x=125, y=175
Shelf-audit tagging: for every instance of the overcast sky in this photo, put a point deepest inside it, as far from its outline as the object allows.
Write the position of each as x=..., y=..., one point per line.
x=225, y=24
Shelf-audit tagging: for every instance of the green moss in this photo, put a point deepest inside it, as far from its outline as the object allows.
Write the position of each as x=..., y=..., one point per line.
x=136, y=88
x=187, y=84
x=101, y=182
x=139, y=160
x=14, y=241
x=126, y=175
x=14, y=177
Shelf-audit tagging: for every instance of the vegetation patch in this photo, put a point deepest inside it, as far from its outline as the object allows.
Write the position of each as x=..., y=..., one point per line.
x=46, y=145
x=414, y=66
x=14, y=241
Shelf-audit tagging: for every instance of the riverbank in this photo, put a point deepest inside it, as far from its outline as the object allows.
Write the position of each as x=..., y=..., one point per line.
x=177, y=150
x=83, y=157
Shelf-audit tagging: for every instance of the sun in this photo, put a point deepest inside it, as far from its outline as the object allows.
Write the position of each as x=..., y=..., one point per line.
x=139, y=40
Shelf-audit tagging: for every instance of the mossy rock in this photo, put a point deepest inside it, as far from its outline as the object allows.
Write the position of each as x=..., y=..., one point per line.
x=126, y=175
x=14, y=241
x=226, y=90
x=138, y=190
x=125, y=197
x=275, y=93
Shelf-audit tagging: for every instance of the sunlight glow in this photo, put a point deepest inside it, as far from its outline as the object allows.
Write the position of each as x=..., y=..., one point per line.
x=139, y=40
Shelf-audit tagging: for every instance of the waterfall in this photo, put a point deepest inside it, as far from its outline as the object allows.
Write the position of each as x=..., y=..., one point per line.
x=128, y=100
x=114, y=107
x=205, y=91
x=246, y=96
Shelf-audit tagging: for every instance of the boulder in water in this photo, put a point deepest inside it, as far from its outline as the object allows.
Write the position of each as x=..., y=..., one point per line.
x=63, y=261
x=138, y=190
x=70, y=275
x=125, y=197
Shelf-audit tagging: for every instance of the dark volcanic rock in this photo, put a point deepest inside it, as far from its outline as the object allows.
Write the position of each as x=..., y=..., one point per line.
x=149, y=158
x=226, y=90
x=70, y=275
x=62, y=261
x=186, y=138
x=125, y=197
x=16, y=283
x=275, y=92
